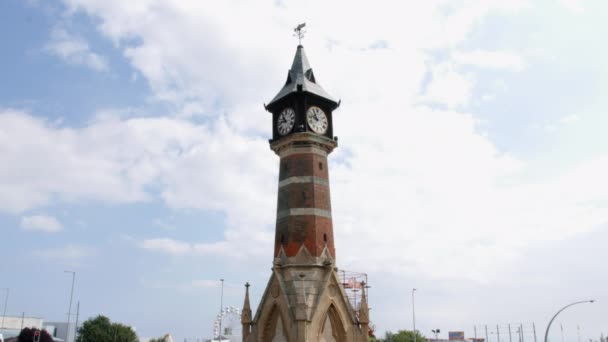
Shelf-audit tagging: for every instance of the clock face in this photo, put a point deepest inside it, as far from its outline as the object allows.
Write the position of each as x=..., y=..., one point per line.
x=317, y=120
x=286, y=120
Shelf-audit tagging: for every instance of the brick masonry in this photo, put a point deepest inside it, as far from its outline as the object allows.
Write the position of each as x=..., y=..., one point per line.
x=305, y=182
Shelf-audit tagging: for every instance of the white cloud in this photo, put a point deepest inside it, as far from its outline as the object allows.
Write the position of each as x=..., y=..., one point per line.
x=192, y=55
x=41, y=223
x=435, y=166
x=119, y=160
x=75, y=50
x=448, y=86
x=564, y=121
x=71, y=254
x=200, y=284
x=573, y=5
x=164, y=224
x=167, y=245
x=569, y=119
x=63, y=163
x=490, y=59
x=256, y=244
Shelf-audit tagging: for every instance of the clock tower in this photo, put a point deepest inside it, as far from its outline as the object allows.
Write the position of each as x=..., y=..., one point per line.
x=304, y=299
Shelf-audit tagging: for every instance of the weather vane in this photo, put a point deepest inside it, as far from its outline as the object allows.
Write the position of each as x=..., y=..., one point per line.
x=299, y=32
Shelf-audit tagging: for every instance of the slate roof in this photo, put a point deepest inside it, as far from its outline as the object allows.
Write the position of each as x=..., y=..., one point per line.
x=301, y=74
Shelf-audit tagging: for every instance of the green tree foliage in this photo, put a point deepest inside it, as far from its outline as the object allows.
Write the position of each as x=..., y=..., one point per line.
x=403, y=336
x=27, y=335
x=101, y=329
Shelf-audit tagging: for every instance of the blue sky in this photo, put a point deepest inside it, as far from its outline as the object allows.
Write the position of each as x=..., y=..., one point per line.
x=472, y=158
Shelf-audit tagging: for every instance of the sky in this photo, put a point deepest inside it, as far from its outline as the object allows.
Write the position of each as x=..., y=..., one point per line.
x=472, y=161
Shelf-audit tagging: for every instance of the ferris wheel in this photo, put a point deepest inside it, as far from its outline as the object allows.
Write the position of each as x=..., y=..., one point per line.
x=230, y=320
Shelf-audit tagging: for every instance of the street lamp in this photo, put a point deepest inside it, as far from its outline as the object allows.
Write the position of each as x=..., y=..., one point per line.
x=562, y=309
x=5, y=302
x=219, y=335
x=67, y=337
x=414, y=313
x=436, y=331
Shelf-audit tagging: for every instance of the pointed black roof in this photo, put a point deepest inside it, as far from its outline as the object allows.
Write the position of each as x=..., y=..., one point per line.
x=301, y=74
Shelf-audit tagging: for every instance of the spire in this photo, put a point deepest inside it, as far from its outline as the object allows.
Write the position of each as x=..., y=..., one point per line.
x=246, y=318
x=363, y=308
x=246, y=312
x=301, y=78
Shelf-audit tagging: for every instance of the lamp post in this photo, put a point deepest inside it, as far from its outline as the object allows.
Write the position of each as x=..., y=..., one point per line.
x=5, y=302
x=67, y=337
x=562, y=309
x=219, y=335
x=414, y=313
x=436, y=331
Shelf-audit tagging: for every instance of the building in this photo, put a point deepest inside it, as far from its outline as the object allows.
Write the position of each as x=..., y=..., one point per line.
x=12, y=325
x=20, y=322
x=59, y=330
x=457, y=336
x=304, y=300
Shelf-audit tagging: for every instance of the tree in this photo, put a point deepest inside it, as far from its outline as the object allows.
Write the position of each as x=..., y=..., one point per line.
x=101, y=329
x=27, y=335
x=166, y=338
x=403, y=336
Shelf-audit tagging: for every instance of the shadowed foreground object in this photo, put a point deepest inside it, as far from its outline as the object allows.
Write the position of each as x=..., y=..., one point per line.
x=304, y=299
x=34, y=335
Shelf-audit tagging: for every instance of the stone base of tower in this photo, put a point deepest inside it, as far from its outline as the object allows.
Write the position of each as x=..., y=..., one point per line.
x=304, y=303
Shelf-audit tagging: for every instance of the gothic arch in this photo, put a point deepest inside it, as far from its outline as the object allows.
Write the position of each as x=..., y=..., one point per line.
x=274, y=326
x=332, y=329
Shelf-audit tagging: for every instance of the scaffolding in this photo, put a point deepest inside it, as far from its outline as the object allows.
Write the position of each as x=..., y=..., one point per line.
x=352, y=283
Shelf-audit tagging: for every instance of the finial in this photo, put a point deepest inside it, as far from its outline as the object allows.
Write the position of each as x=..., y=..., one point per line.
x=299, y=32
x=247, y=285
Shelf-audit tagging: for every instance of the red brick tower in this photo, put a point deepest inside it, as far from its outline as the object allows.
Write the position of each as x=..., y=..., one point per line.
x=304, y=299
x=302, y=138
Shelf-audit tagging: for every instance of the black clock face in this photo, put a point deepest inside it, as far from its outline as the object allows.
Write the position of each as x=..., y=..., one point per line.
x=317, y=120
x=286, y=120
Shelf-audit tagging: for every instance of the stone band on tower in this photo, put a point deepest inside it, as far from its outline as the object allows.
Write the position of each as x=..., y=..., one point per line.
x=304, y=225
x=304, y=299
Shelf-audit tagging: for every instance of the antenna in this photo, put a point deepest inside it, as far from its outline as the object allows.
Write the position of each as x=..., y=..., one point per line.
x=299, y=32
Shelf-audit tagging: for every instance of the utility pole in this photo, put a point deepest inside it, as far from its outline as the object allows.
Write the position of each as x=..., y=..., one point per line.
x=219, y=337
x=5, y=303
x=487, y=339
x=414, y=313
x=76, y=325
x=521, y=326
x=534, y=329
x=519, y=334
x=510, y=340
x=497, y=333
x=67, y=338
x=578, y=332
